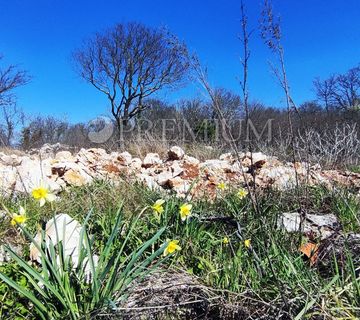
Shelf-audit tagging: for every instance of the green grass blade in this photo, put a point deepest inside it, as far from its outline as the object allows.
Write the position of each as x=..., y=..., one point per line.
x=40, y=307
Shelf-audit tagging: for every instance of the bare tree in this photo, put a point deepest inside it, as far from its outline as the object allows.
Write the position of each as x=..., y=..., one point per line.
x=12, y=116
x=342, y=90
x=10, y=78
x=130, y=62
x=229, y=102
x=324, y=91
x=347, y=92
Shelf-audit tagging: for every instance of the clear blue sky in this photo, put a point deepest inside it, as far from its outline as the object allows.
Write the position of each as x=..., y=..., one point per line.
x=320, y=37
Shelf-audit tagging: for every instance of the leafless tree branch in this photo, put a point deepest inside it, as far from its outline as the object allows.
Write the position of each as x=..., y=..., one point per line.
x=129, y=63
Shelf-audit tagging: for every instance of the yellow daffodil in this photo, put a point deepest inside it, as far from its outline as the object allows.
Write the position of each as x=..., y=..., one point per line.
x=185, y=211
x=18, y=218
x=242, y=193
x=158, y=206
x=221, y=186
x=172, y=247
x=226, y=240
x=247, y=243
x=42, y=194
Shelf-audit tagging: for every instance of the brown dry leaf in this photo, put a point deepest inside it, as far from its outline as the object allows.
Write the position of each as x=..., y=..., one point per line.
x=310, y=250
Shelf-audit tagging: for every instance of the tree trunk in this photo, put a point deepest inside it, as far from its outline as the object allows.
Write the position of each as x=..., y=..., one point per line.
x=121, y=123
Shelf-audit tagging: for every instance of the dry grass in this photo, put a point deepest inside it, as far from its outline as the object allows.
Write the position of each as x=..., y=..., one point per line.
x=10, y=151
x=176, y=294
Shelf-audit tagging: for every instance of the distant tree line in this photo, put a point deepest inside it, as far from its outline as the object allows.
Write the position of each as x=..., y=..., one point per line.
x=192, y=120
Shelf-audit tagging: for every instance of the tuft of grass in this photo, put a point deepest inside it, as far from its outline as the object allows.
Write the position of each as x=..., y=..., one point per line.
x=354, y=168
x=60, y=288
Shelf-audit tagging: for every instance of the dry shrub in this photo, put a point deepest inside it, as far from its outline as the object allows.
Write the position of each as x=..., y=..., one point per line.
x=335, y=147
x=141, y=147
x=204, y=151
x=10, y=151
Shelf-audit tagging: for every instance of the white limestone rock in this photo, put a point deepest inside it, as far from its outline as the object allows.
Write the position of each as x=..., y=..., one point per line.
x=151, y=159
x=175, y=153
x=124, y=158
x=64, y=156
x=62, y=228
x=322, y=225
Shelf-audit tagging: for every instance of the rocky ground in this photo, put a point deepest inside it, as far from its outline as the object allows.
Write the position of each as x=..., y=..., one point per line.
x=325, y=237
x=178, y=172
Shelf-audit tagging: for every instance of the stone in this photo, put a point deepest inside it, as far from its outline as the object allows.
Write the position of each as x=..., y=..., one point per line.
x=149, y=181
x=176, y=168
x=250, y=159
x=78, y=172
x=48, y=150
x=8, y=179
x=19, y=173
x=98, y=152
x=111, y=170
x=281, y=178
x=4, y=254
x=32, y=173
x=180, y=186
x=151, y=159
x=173, y=171
x=136, y=164
x=322, y=220
x=124, y=158
x=191, y=171
x=215, y=165
x=343, y=178
x=290, y=221
x=62, y=228
x=320, y=225
x=191, y=160
x=176, y=153
x=9, y=160
x=92, y=156
x=163, y=178
x=64, y=155
x=257, y=156
x=237, y=167
x=227, y=157
x=74, y=178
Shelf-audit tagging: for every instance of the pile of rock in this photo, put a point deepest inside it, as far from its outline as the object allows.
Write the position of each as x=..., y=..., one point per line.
x=178, y=172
